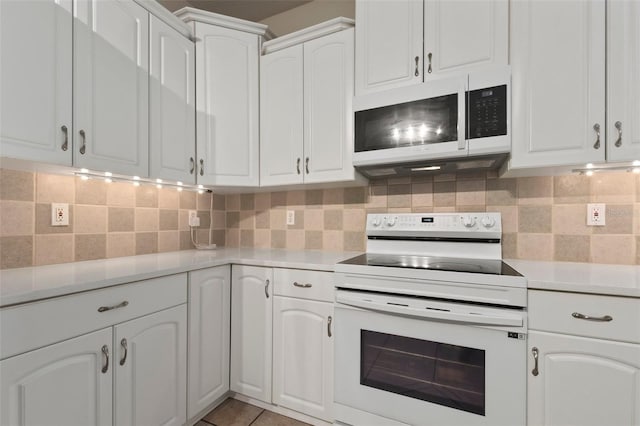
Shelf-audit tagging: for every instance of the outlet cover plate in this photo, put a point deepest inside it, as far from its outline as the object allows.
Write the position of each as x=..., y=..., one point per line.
x=59, y=214
x=596, y=214
x=291, y=217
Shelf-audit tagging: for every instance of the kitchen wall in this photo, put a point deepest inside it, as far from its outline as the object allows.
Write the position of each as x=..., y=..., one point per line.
x=543, y=217
x=309, y=14
x=106, y=219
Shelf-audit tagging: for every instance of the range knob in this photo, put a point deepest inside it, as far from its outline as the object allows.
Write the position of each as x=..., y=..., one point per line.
x=376, y=222
x=468, y=221
x=488, y=221
x=392, y=221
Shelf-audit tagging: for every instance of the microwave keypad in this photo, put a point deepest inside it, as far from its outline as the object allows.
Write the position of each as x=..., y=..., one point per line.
x=487, y=109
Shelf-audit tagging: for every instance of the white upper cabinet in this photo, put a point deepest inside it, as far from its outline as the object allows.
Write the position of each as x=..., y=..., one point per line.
x=389, y=44
x=36, y=80
x=405, y=42
x=281, y=124
x=111, y=86
x=558, y=82
x=623, y=80
x=172, y=104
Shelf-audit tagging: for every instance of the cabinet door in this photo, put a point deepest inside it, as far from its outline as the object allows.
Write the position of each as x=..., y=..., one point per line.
x=303, y=356
x=227, y=123
x=281, y=127
x=111, y=86
x=581, y=381
x=61, y=384
x=36, y=80
x=461, y=35
x=172, y=103
x=251, y=322
x=623, y=80
x=388, y=44
x=328, y=115
x=209, y=328
x=558, y=76
x=151, y=369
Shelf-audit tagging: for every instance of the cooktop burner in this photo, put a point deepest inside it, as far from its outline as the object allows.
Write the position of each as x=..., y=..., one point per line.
x=478, y=266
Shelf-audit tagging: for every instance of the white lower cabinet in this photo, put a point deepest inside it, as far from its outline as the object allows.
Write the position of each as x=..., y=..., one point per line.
x=68, y=383
x=251, y=328
x=151, y=369
x=209, y=329
x=303, y=356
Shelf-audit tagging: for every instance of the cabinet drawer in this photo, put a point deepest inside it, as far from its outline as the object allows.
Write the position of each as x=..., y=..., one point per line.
x=34, y=325
x=554, y=311
x=314, y=285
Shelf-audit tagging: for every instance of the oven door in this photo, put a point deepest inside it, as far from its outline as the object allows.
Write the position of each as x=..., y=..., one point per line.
x=422, y=362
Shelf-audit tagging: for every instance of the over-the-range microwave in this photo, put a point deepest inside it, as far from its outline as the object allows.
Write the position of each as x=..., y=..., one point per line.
x=449, y=124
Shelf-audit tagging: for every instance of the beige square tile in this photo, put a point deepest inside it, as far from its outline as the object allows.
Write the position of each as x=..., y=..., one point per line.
x=247, y=219
x=471, y=192
x=90, y=246
x=278, y=238
x=263, y=219
x=219, y=202
x=147, y=196
x=278, y=199
x=399, y=196
x=492, y=174
x=203, y=201
x=247, y=202
x=535, y=190
x=534, y=219
x=168, y=241
x=509, y=217
x=570, y=219
x=188, y=200
x=535, y=246
x=43, y=220
x=471, y=209
x=233, y=202
x=90, y=219
x=333, y=219
x=377, y=196
x=636, y=219
x=614, y=188
x=501, y=192
x=444, y=209
x=355, y=197
x=313, y=198
x=444, y=177
x=146, y=220
x=399, y=180
x=121, y=219
x=618, y=249
x=52, y=249
x=444, y=194
x=572, y=248
x=333, y=240
x=471, y=176
x=422, y=194
x=354, y=220
x=55, y=188
x=332, y=197
x=298, y=220
x=219, y=220
x=233, y=219
x=571, y=189
x=233, y=238
x=205, y=219
x=637, y=250
x=619, y=220
x=17, y=185
x=185, y=240
x=233, y=413
x=218, y=237
x=121, y=244
x=278, y=218
x=295, y=239
x=354, y=241
x=16, y=217
x=169, y=199
x=91, y=191
x=313, y=220
x=183, y=220
x=509, y=246
x=247, y=237
x=262, y=201
x=399, y=210
x=16, y=252
x=262, y=238
x=121, y=194
x=313, y=240
x=295, y=198
x=168, y=220
x=146, y=242
x=421, y=209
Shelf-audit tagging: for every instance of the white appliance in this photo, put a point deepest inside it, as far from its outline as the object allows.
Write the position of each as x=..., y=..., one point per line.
x=449, y=124
x=430, y=325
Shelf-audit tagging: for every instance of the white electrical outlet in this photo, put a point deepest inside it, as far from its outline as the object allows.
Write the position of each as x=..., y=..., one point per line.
x=291, y=217
x=194, y=220
x=59, y=214
x=596, y=214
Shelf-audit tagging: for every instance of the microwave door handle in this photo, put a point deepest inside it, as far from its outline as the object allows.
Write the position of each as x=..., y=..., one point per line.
x=479, y=319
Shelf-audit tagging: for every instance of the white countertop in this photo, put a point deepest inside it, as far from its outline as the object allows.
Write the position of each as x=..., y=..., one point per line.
x=612, y=280
x=40, y=282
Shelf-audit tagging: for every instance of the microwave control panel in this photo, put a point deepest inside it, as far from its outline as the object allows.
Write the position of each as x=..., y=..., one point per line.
x=487, y=109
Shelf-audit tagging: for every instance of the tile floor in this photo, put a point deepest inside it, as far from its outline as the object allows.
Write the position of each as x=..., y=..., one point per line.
x=237, y=413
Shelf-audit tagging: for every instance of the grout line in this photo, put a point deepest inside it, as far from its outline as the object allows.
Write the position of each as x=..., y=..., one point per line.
x=257, y=417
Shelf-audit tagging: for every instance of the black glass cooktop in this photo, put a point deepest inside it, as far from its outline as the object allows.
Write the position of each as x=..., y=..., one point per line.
x=478, y=266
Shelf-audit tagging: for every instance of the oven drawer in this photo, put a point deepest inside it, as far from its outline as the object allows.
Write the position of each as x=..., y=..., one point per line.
x=34, y=325
x=564, y=313
x=312, y=285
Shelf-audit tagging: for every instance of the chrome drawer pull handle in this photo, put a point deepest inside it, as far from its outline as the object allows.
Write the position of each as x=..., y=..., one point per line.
x=105, y=352
x=83, y=148
x=65, y=145
x=618, y=126
x=298, y=166
x=430, y=55
x=417, y=73
x=123, y=343
x=306, y=164
x=535, y=371
x=201, y=167
x=596, y=128
x=605, y=318
x=109, y=308
x=329, y=321
x=266, y=289
x=305, y=285
x=193, y=165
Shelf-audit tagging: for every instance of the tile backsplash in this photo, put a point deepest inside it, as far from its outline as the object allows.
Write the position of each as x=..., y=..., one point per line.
x=543, y=218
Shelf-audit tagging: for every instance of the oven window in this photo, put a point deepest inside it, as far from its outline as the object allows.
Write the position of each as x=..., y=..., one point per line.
x=444, y=374
x=422, y=122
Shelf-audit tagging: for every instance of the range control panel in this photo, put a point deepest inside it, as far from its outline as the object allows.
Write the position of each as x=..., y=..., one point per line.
x=434, y=222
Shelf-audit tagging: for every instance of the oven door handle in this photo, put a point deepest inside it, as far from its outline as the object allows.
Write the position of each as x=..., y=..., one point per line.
x=438, y=314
